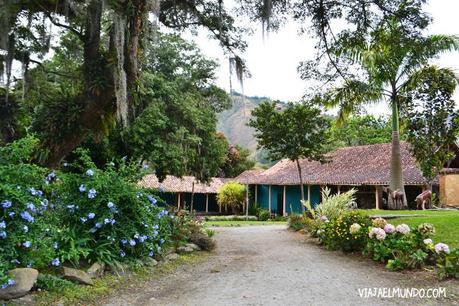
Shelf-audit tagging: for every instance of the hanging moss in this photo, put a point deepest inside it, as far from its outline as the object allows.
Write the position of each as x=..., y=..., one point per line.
x=119, y=75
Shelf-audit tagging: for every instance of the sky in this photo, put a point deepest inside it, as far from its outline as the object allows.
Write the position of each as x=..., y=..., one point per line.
x=273, y=61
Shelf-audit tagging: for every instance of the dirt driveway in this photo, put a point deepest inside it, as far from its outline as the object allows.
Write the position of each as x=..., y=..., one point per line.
x=268, y=265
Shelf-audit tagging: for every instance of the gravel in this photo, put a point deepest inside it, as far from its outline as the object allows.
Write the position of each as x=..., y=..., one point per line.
x=269, y=265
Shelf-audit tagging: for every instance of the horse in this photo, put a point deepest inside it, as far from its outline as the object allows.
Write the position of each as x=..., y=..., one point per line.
x=396, y=196
x=424, y=200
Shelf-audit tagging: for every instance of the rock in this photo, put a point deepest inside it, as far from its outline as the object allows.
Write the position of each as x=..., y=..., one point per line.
x=25, y=278
x=172, y=256
x=96, y=270
x=150, y=262
x=184, y=249
x=193, y=246
x=77, y=276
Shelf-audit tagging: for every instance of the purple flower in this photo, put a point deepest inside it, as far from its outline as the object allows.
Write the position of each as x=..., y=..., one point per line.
x=132, y=242
x=122, y=254
x=441, y=247
x=110, y=205
x=82, y=188
x=39, y=193
x=32, y=191
x=55, y=245
x=83, y=219
x=6, y=204
x=26, y=216
x=389, y=228
x=11, y=282
x=152, y=200
x=3, y=235
x=44, y=203
x=142, y=238
x=25, y=228
x=56, y=262
x=151, y=254
x=107, y=221
x=90, y=172
x=50, y=177
x=27, y=244
x=92, y=193
x=91, y=215
x=98, y=225
x=3, y=224
x=31, y=207
x=11, y=214
x=123, y=241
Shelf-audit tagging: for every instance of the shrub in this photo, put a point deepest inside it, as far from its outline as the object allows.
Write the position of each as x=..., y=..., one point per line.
x=231, y=218
x=448, y=264
x=232, y=195
x=347, y=232
x=104, y=218
x=296, y=222
x=332, y=206
x=401, y=247
x=263, y=214
x=48, y=218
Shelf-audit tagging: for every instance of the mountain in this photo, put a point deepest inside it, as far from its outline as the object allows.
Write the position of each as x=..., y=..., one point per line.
x=233, y=123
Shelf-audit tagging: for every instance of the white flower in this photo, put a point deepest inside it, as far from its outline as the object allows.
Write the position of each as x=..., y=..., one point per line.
x=441, y=247
x=427, y=241
x=355, y=228
x=403, y=229
x=377, y=232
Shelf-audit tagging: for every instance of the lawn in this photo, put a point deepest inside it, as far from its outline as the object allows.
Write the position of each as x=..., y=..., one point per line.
x=446, y=222
x=243, y=223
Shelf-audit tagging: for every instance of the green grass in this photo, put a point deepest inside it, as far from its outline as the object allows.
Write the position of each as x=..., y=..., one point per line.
x=446, y=222
x=92, y=295
x=380, y=212
x=243, y=223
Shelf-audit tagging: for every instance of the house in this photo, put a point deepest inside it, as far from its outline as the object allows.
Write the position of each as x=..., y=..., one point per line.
x=179, y=191
x=366, y=168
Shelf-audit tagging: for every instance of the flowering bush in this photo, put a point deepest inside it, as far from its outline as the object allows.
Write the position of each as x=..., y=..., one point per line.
x=399, y=246
x=347, y=232
x=447, y=262
x=27, y=226
x=105, y=218
x=48, y=218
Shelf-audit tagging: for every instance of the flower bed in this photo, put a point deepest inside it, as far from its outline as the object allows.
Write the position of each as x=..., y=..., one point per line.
x=398, y=246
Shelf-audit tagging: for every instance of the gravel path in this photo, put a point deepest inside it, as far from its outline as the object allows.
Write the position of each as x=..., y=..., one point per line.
x=268, y=265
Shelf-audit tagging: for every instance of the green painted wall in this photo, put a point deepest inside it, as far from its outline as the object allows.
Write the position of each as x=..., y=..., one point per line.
x=293, y=197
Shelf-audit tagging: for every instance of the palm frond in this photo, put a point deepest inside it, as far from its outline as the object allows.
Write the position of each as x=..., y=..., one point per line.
x=351, y=96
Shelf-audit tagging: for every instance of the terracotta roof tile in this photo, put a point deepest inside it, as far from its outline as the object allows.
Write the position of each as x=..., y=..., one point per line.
x=184, y=184
x=359, y=165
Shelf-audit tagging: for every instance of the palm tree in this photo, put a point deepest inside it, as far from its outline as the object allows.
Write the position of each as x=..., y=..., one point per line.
x=390, y=61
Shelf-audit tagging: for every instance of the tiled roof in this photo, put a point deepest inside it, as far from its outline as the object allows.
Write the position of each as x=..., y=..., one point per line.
x=359, y=165
x=249, y=176
x=183, y=184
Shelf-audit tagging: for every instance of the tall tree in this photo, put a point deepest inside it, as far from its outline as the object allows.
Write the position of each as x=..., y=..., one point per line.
x=389, y=62
x=297, y=131
x=360, y=130
x=237, y=161
x=432, y=119
x=111, y=36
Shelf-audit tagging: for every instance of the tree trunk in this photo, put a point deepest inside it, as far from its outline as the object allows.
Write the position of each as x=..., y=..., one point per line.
x=301, y=183
x=396, y=168
x=100, y=104
x=192, y=198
